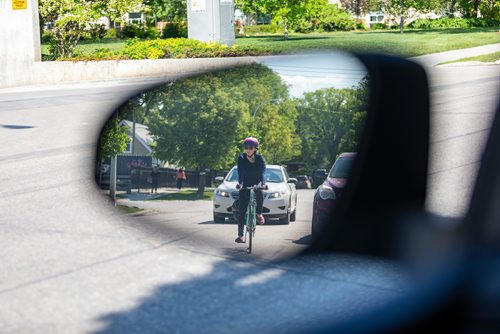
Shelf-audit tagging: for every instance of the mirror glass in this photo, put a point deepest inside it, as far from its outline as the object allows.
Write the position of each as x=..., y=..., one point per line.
x=177, y=148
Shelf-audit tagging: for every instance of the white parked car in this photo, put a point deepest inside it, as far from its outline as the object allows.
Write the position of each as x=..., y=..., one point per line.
x=280, y=200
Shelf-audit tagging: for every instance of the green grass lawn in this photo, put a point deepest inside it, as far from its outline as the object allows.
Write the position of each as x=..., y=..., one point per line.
x=411, y=43
x=186, y=195
x=115, y=45
x=489, y=58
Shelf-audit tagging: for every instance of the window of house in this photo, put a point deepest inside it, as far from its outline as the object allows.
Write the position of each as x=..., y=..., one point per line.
x=129, y=147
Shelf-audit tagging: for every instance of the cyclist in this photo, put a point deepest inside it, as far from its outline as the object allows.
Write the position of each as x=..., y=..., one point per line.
x=251, y=168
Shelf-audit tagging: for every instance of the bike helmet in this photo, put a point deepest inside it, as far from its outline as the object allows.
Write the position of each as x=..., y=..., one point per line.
x=251, y=141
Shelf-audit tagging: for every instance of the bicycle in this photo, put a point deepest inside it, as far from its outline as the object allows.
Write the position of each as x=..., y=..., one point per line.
x=251, y=216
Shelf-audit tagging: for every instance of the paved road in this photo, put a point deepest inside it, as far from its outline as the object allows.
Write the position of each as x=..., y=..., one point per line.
x=464, y=101
x=72, y=263
x=273, y=241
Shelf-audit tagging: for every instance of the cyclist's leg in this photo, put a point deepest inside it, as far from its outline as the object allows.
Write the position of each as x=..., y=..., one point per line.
x=244, y=199
x=259, y=196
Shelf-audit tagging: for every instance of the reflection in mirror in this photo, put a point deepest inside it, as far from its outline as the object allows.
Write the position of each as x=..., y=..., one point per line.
x=177, y=148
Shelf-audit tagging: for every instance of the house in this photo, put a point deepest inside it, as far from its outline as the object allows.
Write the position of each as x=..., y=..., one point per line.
x=374, y=17
x=143, y=139
x=143, y=143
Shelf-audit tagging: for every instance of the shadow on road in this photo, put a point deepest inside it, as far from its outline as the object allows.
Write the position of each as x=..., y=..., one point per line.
x=305, y=240
x=211, y=222
x=16, y=127
x=296, y=296
x=234, y=222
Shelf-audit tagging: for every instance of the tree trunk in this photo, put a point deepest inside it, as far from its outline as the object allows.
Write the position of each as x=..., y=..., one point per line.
x=286, y=30
x=451, y=8
x=475, y=4
x=201, y=183
x=402, y=17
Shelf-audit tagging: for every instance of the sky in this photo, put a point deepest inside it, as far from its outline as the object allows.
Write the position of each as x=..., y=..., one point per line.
x=310, y=72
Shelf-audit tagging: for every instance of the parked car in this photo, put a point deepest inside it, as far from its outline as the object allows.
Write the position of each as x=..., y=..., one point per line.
x=330, y=191
x=280, y=200
x=303, y=182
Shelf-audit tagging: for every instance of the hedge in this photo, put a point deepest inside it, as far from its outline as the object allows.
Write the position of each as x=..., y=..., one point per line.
x=457, y=22
x=183, y=48
x=262, y=29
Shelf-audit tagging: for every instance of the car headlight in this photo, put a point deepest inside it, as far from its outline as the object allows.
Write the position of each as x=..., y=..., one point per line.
x=221, y=193
x=326, y=192
x=278, y=194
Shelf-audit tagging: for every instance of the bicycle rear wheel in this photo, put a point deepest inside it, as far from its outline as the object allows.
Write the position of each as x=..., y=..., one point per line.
x=250, y=236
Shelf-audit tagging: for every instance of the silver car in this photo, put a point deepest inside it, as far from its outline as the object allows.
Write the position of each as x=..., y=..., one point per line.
x=280, y=200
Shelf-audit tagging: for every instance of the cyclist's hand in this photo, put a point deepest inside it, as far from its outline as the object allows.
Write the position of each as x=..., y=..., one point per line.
x=265, y=187
x=238, y=186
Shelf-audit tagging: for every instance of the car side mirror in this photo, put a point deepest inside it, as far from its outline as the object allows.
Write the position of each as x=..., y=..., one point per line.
x=292, y=180
x=219, y=179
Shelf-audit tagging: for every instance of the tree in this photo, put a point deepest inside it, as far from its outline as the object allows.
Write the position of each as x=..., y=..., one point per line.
x=357, y=7
x=330, y=122
x=476, y=8
x=288, y=12
x=402, y=10
x=448, y=7
x=169, y=10
x=199, y=123
x=276, y=129
x=113, y=140
x=73, y=18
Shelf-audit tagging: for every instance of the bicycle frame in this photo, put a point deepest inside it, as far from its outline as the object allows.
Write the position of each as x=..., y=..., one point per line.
x=251, y=217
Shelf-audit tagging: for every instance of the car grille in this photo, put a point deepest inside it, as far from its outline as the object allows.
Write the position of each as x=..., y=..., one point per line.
x=235, y=195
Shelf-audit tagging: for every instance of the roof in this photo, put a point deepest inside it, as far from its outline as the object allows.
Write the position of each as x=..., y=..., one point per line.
x=141, y=133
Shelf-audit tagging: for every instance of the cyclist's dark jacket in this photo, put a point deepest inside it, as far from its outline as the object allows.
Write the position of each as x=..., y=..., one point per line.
x=250, y=174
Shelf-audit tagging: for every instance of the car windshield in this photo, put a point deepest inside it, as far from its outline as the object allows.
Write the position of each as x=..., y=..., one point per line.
x=301, y=178
x=342, y=168
x=271, y=175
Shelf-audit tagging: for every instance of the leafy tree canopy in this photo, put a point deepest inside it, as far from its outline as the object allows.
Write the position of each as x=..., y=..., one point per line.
x=72, y=18
x=113, y=140
x=200, y=122
x=330, y=122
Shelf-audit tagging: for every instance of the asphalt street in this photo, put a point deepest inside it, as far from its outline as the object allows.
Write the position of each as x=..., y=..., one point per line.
x=72, y=263
x=273, y=241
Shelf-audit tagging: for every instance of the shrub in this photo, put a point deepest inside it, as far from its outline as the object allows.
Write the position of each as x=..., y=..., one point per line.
x=378, y=26
x=97, y=54
x=97, y=31
x=110, y=34
x=182, y=48
x=48, y=57
x=361, y=26
x=263, y=29
x=47, y=36
x=457, y=22
x=94, y=32
x=333, y=19
x=102, y=53
x=135, y=31
x=175, y=30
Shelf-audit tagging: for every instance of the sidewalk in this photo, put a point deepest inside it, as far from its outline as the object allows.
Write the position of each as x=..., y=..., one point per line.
x=146, y=194
x=432, y=60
